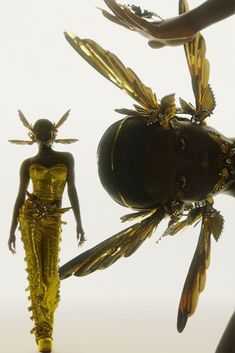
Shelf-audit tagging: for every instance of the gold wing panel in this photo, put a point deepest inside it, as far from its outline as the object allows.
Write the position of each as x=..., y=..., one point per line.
x=199, y=68
x=196, y=278
x=124, y=243
x=108, y=65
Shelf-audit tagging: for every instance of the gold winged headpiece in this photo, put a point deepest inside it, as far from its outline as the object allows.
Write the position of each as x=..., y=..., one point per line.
x=182, y=214
x=32, y=133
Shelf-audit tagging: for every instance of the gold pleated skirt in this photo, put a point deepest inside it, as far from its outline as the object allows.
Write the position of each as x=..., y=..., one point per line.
x=40, y=226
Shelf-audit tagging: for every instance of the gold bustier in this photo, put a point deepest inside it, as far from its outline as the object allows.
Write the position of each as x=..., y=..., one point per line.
x=48, y=182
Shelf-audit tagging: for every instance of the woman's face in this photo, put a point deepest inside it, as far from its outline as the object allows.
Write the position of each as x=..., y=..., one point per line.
x=181, y=164
x=43, y=131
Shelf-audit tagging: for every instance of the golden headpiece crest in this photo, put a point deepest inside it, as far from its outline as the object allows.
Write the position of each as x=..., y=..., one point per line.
x=33, y=136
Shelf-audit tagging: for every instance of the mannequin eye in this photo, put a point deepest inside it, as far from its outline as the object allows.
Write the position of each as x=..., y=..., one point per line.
x=180, y=144
x=180, y=184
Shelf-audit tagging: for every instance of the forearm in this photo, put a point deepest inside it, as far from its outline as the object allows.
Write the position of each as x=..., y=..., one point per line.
x=210, y=12
x=18, y=204
x=73, y=197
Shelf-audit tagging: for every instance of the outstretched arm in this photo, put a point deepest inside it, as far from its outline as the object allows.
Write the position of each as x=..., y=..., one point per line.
x=73, y=197
x=172, y=31
x=24, y=181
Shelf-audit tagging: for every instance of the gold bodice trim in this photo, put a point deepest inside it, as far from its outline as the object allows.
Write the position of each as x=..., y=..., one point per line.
x=48, y=182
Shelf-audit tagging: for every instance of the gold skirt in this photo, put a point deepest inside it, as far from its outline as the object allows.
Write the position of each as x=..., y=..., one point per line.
x=40, y=225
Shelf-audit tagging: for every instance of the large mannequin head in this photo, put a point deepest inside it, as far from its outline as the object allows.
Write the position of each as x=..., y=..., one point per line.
x=143, y=165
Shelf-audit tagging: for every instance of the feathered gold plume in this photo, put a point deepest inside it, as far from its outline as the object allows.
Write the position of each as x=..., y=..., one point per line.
x=32, y=133
x=199, y=68
x=108, y=65
x=124, y=243
x=62, y=120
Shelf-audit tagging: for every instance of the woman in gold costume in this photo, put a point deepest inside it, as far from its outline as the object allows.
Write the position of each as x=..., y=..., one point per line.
x=39, y=217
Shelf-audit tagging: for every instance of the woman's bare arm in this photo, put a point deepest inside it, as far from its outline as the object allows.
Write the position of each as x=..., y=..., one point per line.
x=172, y=31
x=73, y=197
x=24, y=181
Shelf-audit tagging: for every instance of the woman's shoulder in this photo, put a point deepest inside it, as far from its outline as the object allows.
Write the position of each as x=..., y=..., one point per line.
x=26, y=163
x=66, y=156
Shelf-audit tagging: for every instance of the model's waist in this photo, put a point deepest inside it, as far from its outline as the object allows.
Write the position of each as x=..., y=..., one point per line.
x=43, y=208
x=42, y=202
x=47, y=198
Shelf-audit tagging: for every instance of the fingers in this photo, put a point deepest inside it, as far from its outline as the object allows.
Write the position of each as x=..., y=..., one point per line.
x=12, y=246
x=81, y=239
x=117, y=10
x=81, y=242
x=155, y=44
x=140, y=22
x=114, y=19
x=123, y=16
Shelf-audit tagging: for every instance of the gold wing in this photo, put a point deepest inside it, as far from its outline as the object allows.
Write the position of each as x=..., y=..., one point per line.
x=196, y=278
x=62, y=120
x=24, y=121
x=124, y=243
x=66, y=141
x=199, y=68
x=21, y=142
x=108, y=65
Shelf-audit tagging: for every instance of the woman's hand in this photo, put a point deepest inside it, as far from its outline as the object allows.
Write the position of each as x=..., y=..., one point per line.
x=173, y=31
x=12, y=243
x=80, y=235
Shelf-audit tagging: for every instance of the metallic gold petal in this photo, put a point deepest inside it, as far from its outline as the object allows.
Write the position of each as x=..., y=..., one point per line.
x=196, y=278
x=108, y=65
x=62, y=119
x=187, y=108
x=24, y=120
x=66, y=141
x=21, y=142
x=136, y=215
x=199, y=68
x=216, y=223
x=176, y=227
x=124, y=243
x=168, y=109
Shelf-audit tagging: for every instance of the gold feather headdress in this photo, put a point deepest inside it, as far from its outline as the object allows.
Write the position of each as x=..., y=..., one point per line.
x=182, y=214
x=33, y=136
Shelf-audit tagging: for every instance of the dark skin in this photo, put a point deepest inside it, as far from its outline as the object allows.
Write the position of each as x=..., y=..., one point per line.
x=47, y=157
x=189, y=157
x=177, y=31
x=172, y=31
x=194, y=162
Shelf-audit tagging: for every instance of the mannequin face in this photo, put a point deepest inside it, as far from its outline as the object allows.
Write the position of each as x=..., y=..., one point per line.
x=180, y=164
x=43, y=131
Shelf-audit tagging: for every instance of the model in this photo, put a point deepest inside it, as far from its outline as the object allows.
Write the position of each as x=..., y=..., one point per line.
x=39, y=217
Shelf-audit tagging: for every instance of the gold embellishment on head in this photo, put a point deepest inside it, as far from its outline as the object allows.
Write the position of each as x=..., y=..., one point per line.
x=33, y=136
x=108, y=65
x=228, y=150
x=144, y=13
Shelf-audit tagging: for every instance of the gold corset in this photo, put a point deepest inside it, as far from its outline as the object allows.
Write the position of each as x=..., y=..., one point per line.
x=48, y=182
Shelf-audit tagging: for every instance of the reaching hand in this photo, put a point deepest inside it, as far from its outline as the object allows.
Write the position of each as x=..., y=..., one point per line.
x=80, y=235
x=12, y=244
x=174, y=31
